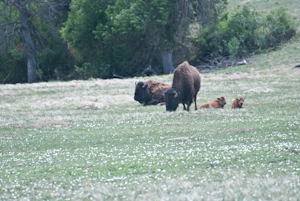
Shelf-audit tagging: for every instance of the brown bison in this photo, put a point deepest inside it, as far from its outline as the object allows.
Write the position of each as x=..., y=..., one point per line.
x=185, y=86
x=150, y=92
x=238, y=103
x=219, y=103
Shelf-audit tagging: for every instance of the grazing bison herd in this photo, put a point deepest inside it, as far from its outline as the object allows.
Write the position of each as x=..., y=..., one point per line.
x=185, y=86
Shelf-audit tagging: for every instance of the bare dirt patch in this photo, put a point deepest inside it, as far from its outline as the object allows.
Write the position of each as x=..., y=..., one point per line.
x=246, y=1
x=89, y=107
x=230, y=131
x=260, y=89
x=170, y=125
x=11, y=138
x=177, y=139
x=50, y=123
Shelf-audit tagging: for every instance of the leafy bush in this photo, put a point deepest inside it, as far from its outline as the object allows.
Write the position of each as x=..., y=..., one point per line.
x=233, y=46
x=129, y=35
x=242, y=31
x=13, y=68
x=88, y=70
x=13, y=64
x=123, y=35
x=280, y=27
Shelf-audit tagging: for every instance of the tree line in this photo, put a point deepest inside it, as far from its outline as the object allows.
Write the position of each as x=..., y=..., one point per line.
x=44, y=40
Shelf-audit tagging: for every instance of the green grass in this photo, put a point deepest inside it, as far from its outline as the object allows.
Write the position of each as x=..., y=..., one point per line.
x=89, y=140
x=126, y=151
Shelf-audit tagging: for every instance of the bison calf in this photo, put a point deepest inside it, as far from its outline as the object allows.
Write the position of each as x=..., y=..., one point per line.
x=219, y=103
x=150, y=92
x=238, y=103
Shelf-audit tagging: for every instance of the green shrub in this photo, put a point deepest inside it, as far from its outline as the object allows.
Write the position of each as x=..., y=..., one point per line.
x=233, y=46
x=242, y=31
x=13, y=68
x=280, y=27
x=88, y=70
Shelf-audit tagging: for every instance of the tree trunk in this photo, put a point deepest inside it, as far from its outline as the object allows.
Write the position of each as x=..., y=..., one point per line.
x=29, y=46
x=167, y=61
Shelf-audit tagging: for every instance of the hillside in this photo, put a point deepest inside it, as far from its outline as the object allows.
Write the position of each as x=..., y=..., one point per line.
x=268, y=5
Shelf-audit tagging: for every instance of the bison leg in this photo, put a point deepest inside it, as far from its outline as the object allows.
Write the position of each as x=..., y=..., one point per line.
x=188, y=108
x=189, y=101
x=183, y=104
x=195, y=99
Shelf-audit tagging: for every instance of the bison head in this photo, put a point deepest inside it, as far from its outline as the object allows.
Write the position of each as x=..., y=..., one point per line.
x=142, y=94
x=222, y=100
x=241, y=102
x=171, y=99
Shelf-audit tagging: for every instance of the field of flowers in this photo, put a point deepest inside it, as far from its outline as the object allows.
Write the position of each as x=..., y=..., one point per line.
x=89, y=140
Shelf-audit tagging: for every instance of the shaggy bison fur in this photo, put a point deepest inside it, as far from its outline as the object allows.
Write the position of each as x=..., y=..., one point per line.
x=150, y=92
x=238, y=103
x=185, y=86
x=219, y=103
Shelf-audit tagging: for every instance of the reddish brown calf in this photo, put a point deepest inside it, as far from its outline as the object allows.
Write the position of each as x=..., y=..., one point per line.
x=219, y=103
x=238, y=103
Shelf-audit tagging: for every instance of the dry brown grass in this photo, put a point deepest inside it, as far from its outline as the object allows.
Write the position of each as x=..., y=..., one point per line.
x=62, y=99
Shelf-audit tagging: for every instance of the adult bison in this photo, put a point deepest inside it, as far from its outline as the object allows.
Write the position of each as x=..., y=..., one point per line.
x=185, y=86
x=150, y=92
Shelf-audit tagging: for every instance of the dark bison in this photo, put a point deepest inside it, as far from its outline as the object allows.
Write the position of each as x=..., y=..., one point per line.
x=150, y=92
x=185, y=86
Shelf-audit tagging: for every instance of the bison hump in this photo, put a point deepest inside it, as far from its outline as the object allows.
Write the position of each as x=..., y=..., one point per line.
x=182, y=77
x=155, y=87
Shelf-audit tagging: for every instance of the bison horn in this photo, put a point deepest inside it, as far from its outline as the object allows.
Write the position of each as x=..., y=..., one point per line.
x=145, y=85
x=176, y=95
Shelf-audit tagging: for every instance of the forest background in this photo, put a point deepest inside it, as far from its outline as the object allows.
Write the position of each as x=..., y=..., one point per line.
x=80, y=39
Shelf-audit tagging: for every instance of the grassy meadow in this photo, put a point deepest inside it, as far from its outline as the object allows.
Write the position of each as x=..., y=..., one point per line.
x=83, y=140
x=89, y=140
